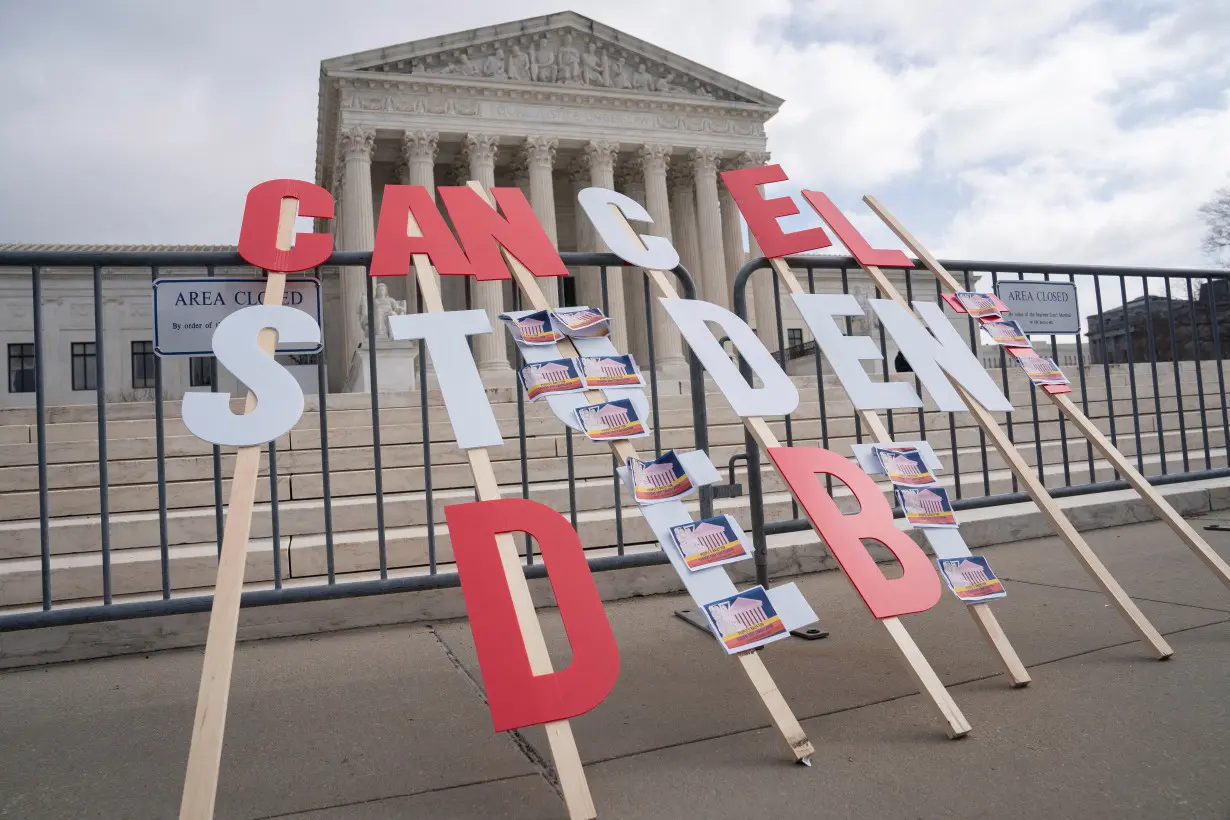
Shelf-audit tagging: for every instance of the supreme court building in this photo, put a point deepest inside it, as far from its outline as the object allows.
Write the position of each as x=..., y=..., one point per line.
x=552, y=105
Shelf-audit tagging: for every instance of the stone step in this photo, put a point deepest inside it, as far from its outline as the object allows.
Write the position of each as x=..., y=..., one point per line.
x=305, y=517
x=84, y=500
x=303, y=557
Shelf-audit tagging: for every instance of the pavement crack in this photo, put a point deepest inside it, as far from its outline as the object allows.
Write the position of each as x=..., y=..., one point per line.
x=1099, y=592
x=544, y=767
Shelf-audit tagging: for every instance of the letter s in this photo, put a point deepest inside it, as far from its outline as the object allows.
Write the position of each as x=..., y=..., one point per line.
x=279, y=399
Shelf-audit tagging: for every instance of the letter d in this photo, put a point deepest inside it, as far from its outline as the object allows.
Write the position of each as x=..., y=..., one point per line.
x=516, y=695
x=279, y=399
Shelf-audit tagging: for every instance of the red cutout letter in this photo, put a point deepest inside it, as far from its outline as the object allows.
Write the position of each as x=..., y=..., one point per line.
x=517, y=697
x=258, y=234
x=852, y=239
x=394, y=246
x=762, y=214
x=483, y=230
x=918, y=588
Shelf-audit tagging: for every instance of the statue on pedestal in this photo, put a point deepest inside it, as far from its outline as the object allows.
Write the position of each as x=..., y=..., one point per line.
x=383, y=306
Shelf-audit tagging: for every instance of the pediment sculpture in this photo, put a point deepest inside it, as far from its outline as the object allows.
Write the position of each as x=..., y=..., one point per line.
x=561, y=57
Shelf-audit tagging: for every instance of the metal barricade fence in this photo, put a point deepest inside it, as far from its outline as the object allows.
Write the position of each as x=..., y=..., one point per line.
x=50, y=610
x=1194, y=418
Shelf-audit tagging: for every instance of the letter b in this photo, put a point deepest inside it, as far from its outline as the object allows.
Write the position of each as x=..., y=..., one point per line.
x=918, y=588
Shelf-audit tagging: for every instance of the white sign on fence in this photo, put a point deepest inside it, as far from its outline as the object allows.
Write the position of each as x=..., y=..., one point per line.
x=1041, y=307
x=186, y=311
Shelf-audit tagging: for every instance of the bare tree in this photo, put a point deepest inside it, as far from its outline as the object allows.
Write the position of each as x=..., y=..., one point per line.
x=1216, y=213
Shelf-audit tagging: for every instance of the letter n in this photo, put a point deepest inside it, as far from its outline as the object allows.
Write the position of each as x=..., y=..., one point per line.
x=516, y=695
x=918, y=588
x=483, y=231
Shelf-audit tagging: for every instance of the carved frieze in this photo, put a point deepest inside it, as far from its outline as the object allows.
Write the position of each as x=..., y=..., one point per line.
x=561, y=57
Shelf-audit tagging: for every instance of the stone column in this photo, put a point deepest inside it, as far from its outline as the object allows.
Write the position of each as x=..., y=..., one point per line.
x=599, y=157
x=629, y=182
x=490, y=349
x=709, y=227
x=539, y=157
x=732, y=242
x=683, y=222
x=667, y=345
x=418, y=150
x=358, y=230
x=762, y=313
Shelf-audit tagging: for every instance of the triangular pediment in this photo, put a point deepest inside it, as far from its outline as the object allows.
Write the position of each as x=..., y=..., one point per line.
x=564, y=50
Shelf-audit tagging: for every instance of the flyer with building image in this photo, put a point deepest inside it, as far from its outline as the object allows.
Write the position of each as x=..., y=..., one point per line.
x=745, y=620
x=1040, y=369
x=1007, y=333
x=532, y=328
x=927, y=506
x=904, y=466
x=611, y=420
x=661, y=479
x=981, y=305
x=611, y=371
x=711, y=542
x=971, y=579
x=555, y=376
x=581, y=322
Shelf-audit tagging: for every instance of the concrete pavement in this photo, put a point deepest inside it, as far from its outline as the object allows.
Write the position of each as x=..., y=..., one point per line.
x=390, y=722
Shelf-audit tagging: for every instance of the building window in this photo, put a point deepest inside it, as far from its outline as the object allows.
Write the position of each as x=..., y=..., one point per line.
x=85, y=366
x=794, y=337
x=200, y=371
x=21, y=368
x=142, y=364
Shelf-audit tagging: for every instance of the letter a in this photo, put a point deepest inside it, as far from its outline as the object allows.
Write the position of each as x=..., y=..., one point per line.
x=516, y=695
x=918, y=588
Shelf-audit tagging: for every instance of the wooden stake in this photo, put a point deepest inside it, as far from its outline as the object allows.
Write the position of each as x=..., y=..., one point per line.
x=983, y=617
x=1046, y=504
x=205, y=753
x=623, y=449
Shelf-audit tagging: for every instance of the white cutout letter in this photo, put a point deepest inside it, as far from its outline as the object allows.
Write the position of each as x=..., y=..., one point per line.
x=845, y=353
x=930, y=356
x=601, y=206
x=279, y=399
x=778, y=396
x=465, y=400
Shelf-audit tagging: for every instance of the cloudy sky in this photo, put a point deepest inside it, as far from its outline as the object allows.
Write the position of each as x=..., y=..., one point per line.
x=1048, y=130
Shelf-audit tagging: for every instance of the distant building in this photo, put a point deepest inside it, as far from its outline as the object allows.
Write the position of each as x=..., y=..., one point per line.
x=1116, y=331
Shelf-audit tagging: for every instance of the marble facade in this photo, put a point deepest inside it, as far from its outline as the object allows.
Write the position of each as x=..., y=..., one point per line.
x=551, y=105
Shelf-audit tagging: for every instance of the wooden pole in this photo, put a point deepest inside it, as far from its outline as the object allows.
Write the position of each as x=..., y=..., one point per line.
x=623, y=449
x=563, y=745
x=205, y=753
x=1037, y=491
x=983, y=617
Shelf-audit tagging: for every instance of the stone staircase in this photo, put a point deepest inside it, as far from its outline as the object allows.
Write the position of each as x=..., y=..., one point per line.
x=192, y=517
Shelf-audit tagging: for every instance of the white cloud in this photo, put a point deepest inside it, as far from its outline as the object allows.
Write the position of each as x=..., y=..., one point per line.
x=1054, y=130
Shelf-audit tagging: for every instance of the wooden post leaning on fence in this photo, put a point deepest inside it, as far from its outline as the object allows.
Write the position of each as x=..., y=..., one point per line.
x=1187, y=534
x=780, y=712
x=209, y=725
x=564, y=752
x=1033, y=485
x=982, y=614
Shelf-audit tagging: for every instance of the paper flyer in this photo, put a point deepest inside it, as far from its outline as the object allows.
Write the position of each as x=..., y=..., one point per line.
x=611, y=371
x=662, y=479
x=533, y=328
x=611, y=420
x=554, y=376
x=904, y=466
x=745, y=620
x=1041, y=370
x=1007, y=333
x=580, y=322
x=971, y=579
x=927, y=506
x=711, y=542
x=981, y=305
